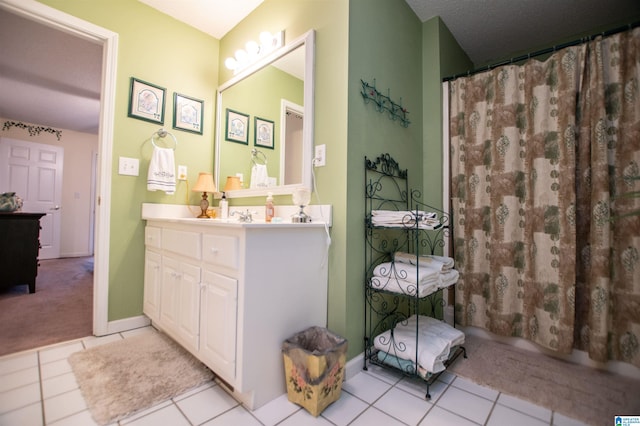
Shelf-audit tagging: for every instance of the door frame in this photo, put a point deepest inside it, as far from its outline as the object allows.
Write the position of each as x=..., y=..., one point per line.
x=38, y=12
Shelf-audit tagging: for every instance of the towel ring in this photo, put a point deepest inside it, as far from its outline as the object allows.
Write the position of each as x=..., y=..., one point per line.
x=163, y=133
x=258, y=156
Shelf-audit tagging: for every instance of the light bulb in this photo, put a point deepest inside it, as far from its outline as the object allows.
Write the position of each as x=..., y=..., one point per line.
x=230, y=63
x=266, y=39
x=241, y=55
x=252, y=48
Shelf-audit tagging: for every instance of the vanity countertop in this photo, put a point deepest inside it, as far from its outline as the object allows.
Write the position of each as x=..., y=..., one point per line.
x=176, y=213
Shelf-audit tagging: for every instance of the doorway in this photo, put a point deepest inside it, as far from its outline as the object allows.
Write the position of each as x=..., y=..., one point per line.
x=53, y=18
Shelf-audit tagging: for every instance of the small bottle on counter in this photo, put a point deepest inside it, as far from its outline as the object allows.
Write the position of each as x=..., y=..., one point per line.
x=269, y=210
x=224, y=207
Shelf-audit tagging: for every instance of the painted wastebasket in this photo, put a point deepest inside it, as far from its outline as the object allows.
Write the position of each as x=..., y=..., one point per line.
x=314, y=365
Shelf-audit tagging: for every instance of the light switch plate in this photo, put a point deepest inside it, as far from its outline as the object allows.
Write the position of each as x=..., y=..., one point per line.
x=128, y=166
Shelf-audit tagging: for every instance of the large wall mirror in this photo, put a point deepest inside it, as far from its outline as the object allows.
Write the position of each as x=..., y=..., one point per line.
x=264, y=123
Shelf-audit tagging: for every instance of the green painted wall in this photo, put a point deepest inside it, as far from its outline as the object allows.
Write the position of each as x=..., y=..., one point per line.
x=441, y=57
x=159, y=49
x=356, y=39
x=384, y=45
x=259, y=95
x=329, y=18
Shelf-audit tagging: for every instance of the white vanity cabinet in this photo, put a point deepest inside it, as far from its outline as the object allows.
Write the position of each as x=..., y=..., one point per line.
x=152, y=272
x=231, y=293
x=218, y=329
x=180, y=300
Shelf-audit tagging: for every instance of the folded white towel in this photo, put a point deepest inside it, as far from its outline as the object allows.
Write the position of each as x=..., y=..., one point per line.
x=427, y=338
x=404, y=287
x=427, y=220
x=419, y=213
x=448, y=278
x=259, y=176
x=162, y=171
x=432, y=344
x=430, y=261
x=441, y=328
x=406, y=272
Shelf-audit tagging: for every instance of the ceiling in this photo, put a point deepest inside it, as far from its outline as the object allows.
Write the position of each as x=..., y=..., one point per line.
x=53, y=79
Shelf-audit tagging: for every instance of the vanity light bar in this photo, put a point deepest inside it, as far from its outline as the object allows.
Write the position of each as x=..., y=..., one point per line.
x=254, y=51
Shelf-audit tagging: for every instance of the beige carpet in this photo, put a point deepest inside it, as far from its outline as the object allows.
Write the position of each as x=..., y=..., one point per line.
x=590, y=395
x=118, y=379
x=61, y=309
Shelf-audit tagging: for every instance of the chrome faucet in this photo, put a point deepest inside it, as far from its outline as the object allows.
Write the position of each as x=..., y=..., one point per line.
x=244, y=217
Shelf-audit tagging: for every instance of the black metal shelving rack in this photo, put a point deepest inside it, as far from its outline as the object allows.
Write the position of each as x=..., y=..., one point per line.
x=386, y=188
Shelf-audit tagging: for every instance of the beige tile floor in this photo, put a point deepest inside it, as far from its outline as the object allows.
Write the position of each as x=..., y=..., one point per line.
x=38, y=388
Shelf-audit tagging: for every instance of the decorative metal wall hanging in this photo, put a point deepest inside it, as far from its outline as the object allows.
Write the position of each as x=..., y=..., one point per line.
x=33, y=130
x=384, y=103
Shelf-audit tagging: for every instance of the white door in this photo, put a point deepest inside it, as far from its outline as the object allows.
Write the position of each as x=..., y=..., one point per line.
x=34, y=172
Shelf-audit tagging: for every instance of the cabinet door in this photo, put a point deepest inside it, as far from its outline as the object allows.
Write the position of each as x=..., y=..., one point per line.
x=189, y=305
x=219, y=306
x=169, y=294
x=152, y=283
x=180, y=300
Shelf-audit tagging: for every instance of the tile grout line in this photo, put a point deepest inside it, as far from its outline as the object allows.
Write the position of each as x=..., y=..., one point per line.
x=493, y=407
x=41, y=387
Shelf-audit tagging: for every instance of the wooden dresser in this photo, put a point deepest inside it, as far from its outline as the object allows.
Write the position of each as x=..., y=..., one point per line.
x=19, y=249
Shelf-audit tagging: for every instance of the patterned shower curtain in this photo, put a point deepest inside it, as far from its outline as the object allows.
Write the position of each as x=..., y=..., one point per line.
x=541, y=154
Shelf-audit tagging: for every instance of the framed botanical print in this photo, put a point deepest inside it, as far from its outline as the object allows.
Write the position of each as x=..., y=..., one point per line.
x=237, y=127
x=263, y=133
x=187, y=113
x=146, y=101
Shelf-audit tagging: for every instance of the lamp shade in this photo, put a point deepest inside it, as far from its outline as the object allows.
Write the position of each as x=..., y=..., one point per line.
x=233, y=183
x=205, y=183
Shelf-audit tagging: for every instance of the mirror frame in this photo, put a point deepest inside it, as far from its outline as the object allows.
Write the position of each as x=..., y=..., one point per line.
x=308, y=41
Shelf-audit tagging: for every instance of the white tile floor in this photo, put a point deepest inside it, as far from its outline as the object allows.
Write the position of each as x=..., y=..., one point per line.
x=38, y=388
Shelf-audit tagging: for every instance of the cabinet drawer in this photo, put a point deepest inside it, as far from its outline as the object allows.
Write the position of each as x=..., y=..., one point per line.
x=220, y=250
x=182, y=242
x=152, y=237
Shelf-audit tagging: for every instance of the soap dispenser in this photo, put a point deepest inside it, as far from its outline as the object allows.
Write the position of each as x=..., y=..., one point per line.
x=269, y=210
x=224, y=207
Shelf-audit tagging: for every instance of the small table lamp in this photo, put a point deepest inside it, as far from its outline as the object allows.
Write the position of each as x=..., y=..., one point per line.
x=233, y=183
x=204, y=184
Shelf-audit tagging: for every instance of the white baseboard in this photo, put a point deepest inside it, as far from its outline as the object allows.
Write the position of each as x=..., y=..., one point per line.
x=126, y=324
x=354, y=366
x=78, y=254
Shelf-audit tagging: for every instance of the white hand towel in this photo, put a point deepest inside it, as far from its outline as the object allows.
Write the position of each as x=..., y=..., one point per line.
x=442, y=263
x=406, y=272
x=394, y=285
x=259, y=176
x=162, y=171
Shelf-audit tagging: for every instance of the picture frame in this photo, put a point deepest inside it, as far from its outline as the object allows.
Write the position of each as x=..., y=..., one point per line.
x=237, y=127
x=187, y=113
x=146, y=101
x=263, y=133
